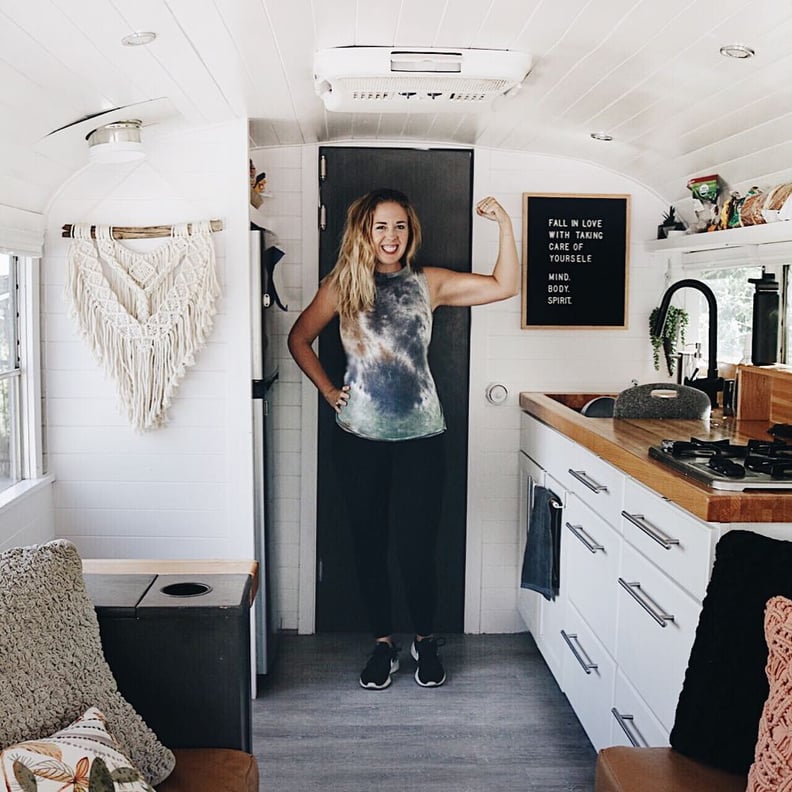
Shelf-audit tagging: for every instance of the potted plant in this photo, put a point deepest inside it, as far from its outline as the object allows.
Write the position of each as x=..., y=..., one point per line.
x=673, y=334
x=670, y=223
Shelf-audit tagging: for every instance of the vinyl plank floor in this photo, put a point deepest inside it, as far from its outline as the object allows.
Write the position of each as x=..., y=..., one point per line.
x=499, y=723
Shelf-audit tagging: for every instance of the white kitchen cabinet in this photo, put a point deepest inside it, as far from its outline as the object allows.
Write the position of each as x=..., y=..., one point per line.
x=544, y=618
x=596, y=482
x=589, y=673
x=635, y=569
x=552, y=613
x=632, y=722
x=592, y=549
x=679, y=543
x=656, y=626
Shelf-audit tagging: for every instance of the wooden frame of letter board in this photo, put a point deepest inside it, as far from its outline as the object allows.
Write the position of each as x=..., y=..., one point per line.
x=619, y=275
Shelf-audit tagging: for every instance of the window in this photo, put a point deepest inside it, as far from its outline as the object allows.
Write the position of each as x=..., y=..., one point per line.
x=10, y=375
x=734, y=297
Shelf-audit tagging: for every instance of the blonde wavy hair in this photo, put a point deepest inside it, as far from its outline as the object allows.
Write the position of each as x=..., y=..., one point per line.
x=353, y=274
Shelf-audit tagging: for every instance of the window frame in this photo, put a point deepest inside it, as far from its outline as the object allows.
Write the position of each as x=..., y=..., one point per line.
x=24, y=374
x=775, y=257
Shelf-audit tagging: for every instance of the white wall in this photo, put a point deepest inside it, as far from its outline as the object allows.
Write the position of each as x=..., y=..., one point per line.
x=26, y=516
x=184, y=490
x=551, y=360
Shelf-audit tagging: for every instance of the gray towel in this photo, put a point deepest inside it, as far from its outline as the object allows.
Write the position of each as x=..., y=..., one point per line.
x=542, y=557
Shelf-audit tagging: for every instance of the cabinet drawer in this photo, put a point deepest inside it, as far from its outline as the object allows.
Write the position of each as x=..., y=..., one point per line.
x=632, y=722
x=589, y=673
x=592, y=565
x=544, y=445
x=681, y=545
x=597, y=483
x=656, y=626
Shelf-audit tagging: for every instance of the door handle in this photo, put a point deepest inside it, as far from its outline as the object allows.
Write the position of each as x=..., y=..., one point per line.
x=651, y=607
x=580, y=533
x=627, y=724
x=587, y=481
x=579, y=652
x=653, y=532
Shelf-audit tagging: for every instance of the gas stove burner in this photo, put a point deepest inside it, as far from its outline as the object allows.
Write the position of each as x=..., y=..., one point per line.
x=696, y=447
x=773, y=458
x=726, y=467
x=723, y=465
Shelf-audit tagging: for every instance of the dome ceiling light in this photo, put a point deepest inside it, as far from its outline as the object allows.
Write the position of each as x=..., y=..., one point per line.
x=740, y=51
x=601, y=136
x=115, y=143
x=139, y=38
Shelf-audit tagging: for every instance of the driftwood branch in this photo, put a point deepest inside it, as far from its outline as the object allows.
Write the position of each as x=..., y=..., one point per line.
x=141, y=232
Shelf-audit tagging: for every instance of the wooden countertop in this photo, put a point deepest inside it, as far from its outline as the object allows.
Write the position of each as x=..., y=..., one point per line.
x=625, y=443
x=196, y=567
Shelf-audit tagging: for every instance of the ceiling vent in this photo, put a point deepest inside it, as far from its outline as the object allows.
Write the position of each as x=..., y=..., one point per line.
x=386, y=80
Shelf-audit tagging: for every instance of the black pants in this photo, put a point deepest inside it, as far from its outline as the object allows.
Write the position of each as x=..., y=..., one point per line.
x=393, y=488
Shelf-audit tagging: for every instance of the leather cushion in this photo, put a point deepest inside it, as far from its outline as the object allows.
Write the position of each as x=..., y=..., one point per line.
x=725, y=686
x=215, y=769
x=623, y=769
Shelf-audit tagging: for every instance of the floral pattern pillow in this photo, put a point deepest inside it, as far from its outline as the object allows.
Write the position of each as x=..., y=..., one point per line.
x=83, y=757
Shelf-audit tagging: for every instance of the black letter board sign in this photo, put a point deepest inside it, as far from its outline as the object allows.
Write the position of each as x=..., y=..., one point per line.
x=575, y=260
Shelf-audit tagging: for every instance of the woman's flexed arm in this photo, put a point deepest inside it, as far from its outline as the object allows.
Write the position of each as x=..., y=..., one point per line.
x=467, y=288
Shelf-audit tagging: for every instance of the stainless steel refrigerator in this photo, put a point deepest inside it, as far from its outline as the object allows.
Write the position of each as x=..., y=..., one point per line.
x=264, y=256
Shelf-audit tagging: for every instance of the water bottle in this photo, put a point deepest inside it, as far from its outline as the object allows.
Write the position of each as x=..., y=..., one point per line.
x=764, y=344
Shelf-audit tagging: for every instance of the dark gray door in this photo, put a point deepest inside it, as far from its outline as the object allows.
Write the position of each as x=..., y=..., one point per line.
x=439, y=184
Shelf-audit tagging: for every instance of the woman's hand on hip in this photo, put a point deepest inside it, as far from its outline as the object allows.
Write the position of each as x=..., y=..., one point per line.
x=337, y=398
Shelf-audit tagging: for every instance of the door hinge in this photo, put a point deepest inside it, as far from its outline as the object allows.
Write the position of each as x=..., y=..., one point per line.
x=320, y=571
x=322, y=168
x=322, y=217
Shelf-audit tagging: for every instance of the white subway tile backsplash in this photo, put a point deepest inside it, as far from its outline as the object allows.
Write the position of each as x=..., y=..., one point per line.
x=498, y=555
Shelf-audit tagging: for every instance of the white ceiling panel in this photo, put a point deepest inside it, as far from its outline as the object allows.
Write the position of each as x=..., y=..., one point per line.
x=375, y=23
x=419, y=21
x=503, y=23
x=649, y=73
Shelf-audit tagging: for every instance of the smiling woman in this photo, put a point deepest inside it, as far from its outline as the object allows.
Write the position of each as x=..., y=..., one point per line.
x=388, y=445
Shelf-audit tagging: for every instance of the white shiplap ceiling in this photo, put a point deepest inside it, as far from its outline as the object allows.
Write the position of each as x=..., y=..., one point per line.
x=647, y=72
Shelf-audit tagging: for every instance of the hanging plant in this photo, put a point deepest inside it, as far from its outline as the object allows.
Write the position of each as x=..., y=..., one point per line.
x=673, y=333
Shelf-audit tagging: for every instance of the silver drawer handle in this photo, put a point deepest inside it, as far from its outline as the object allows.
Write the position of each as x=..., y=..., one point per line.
x=639, y=521
x=627, y=723
x=651, y=607
x=579, y=652
x=580, y=533
x=584, y=478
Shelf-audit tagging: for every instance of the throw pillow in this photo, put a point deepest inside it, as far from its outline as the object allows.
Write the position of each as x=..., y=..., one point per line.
x=83, y=757
x=772, y=767
x=52, y=668
x=725, y=686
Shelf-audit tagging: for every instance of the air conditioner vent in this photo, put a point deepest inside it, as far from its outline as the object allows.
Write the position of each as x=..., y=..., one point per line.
x=378, y=79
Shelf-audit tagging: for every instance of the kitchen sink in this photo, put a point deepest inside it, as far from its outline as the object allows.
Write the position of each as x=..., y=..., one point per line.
x=579, y=401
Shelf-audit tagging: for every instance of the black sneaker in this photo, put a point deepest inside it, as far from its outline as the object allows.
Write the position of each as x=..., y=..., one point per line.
x=383, y=662
x=430, y=672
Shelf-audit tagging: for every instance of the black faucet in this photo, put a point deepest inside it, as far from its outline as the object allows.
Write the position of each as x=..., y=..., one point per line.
x=712, y=383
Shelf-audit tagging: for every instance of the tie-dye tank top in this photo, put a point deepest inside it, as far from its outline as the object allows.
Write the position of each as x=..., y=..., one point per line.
x=392, y=394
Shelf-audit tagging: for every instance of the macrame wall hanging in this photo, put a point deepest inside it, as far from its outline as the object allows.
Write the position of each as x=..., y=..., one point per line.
x=144, y=315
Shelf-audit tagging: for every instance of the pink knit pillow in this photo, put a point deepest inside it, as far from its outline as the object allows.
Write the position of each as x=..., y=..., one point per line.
x=772, y=767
